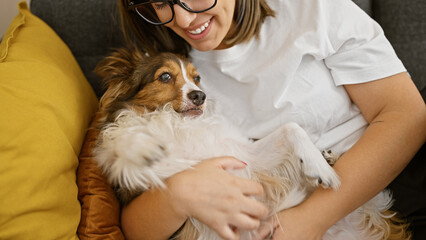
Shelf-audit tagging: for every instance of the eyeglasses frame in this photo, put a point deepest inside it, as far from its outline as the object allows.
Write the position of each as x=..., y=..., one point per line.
x=132, y=5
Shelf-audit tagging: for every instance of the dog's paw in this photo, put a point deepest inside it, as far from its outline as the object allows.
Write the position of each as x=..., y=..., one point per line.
x=330, y=157
x=140, y=149
x=319, y=172
x=313, y=164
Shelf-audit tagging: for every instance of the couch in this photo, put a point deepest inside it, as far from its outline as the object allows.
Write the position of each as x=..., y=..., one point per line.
x=49, y=96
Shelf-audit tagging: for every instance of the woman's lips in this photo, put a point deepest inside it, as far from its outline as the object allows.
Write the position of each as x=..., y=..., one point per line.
x=200, y=29
x=200, y=32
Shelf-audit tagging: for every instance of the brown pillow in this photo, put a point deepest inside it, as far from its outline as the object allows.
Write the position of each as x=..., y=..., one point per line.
x=100, y=209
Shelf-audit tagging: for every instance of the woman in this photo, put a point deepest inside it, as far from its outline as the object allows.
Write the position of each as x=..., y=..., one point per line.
x=321, y=63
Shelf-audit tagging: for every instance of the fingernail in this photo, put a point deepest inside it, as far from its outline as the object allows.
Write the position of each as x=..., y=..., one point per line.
x=243, y=162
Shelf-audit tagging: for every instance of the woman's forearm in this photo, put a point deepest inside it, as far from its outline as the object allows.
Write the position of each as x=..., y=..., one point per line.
x=150, y=216
x=366, y=169
x=397, y=130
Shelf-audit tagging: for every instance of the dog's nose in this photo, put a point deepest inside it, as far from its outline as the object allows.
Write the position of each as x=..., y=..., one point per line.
x=197, y=97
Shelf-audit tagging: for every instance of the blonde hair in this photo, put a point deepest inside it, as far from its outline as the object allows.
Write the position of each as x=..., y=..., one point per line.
x=248, y=16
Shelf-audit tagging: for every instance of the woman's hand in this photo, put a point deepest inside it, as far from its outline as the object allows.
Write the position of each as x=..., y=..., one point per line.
x=217, y=198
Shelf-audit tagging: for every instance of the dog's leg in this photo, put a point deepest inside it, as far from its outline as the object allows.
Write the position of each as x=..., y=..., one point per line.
x=128, y=154
x=291, y=139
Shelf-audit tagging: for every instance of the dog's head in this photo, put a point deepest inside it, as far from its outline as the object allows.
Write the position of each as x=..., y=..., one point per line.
x=144, y=83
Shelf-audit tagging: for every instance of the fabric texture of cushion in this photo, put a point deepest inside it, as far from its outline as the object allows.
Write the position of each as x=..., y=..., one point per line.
x=100, y=212
x=404, y=23
x=46, y=105
x=366, y=5
x=91, y=29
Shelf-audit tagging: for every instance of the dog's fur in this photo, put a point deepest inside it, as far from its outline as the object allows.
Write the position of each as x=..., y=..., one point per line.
x=153, y=126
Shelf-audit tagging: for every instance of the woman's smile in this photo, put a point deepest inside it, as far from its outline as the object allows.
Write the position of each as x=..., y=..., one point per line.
x=200, y=29
x=207, y=30
x=200, y=32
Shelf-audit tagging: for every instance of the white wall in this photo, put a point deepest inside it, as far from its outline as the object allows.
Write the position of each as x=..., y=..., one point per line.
x=8, y=10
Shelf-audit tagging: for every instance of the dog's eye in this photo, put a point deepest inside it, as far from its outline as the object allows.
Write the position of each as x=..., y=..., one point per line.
x=165, y=77
x=197, y=79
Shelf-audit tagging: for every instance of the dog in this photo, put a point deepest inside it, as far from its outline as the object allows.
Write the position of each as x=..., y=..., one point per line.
x=155, y=122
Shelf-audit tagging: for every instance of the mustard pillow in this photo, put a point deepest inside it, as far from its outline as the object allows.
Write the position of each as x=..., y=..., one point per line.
x=46, y=105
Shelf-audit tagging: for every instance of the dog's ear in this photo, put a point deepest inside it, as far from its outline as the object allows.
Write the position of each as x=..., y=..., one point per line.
x=116, y=72
x=118, y=68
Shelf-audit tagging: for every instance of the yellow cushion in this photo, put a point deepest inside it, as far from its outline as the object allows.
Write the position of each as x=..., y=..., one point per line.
x=46, y=105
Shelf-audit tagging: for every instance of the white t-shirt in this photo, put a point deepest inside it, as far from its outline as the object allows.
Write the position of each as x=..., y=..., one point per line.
x=295, y=71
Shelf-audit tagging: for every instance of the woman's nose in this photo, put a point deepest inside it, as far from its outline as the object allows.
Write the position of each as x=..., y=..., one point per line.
x=183, y=18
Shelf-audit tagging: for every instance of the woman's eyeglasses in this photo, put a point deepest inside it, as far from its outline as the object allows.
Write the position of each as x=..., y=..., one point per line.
x=159, y=12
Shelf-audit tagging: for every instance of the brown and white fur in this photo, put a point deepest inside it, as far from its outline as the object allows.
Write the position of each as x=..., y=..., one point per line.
x=155, y=123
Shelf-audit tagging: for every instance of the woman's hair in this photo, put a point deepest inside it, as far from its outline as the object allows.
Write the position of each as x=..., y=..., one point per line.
x=248, y=17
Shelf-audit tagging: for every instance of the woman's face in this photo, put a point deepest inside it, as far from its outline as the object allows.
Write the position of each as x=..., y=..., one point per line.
x=204, y=31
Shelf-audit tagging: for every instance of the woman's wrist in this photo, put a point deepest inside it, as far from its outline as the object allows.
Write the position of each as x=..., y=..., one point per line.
x=318, y=218
x=174, y=193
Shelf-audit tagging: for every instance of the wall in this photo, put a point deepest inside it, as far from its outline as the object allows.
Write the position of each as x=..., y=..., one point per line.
x=8, y=10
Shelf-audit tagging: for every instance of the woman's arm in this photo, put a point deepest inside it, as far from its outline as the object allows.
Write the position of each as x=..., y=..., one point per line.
x=397, y=116
x=207, y=192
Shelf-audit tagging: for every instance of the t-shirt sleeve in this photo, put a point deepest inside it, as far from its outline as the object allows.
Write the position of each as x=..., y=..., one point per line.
x=359, y=51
